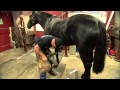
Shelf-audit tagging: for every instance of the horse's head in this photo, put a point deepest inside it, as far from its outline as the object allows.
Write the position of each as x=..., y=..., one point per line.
x=37, y=17
x=33, y=19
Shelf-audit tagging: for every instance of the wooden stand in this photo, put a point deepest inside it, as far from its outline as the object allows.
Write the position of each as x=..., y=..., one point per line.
x=23, y=31
x=24, y=38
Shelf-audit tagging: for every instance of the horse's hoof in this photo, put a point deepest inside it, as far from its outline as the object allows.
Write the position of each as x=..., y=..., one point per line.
x=82, y=77
x=52, y=73
x=55, y=66
x=85, y=77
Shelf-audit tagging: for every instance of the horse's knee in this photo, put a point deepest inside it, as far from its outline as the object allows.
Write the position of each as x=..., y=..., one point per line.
x=48, y=52
x=53, y=61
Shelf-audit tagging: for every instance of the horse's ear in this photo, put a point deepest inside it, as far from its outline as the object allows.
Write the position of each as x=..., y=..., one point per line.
x=33, y=12
x=37, y=12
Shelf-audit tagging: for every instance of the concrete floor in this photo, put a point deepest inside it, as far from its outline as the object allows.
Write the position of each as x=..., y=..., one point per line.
x=16, y=64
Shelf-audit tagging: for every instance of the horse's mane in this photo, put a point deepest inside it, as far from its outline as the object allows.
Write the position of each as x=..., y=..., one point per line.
x=44, y=14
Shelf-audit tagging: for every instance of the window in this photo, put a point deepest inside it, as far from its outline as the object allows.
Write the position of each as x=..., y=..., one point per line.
x=1, y=21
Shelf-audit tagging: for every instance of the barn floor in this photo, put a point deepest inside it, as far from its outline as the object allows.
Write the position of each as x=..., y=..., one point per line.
x=16, y=64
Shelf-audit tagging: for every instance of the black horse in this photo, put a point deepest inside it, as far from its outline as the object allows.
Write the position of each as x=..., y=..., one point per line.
x=84, y=31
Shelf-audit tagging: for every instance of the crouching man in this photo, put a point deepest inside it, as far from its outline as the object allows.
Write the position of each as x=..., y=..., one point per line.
x=42, y=46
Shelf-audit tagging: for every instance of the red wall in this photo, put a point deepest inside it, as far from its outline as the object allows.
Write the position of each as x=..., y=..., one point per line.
x=4, y=31
x=7, y=20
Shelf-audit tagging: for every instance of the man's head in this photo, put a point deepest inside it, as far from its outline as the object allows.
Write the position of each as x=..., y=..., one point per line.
x=57, y=43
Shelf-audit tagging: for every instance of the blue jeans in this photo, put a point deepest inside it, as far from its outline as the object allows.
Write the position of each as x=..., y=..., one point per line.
x=43, y=75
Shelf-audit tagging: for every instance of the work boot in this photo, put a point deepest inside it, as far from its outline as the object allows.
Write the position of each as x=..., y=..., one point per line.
x=43, y=75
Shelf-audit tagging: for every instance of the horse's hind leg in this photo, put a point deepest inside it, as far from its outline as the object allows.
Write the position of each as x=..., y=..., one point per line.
x=87, y=58
x=57, y=56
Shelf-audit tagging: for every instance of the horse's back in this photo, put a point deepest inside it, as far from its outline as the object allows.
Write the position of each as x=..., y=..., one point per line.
x=77, y=29
x=83, y=19
x=83, y=29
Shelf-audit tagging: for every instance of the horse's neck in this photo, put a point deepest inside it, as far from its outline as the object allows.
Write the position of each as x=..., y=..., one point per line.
x=55, y=25
x=50, y=23
x=53, y=21
x=42, y=23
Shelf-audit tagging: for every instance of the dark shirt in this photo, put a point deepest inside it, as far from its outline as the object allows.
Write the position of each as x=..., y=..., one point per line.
x=45, y=42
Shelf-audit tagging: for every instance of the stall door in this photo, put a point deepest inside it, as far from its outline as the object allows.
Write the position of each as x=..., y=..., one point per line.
x=5, y=23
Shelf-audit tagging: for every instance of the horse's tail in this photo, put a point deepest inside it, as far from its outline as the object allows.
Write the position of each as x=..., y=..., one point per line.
x=100, y=50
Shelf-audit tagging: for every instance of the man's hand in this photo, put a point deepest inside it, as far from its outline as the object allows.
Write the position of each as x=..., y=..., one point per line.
x=44, y=58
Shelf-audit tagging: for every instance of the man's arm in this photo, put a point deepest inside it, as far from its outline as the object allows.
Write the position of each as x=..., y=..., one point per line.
x=38, y=50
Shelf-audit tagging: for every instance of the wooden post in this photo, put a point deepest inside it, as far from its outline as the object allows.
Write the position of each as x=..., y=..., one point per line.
x=118, y=53
x=23, y=32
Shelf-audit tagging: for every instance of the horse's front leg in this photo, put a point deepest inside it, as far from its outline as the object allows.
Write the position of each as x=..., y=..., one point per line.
x=56, y=51
x=51, y=71
x=48, y=52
